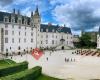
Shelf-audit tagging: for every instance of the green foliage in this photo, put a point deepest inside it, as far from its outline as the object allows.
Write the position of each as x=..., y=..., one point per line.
x=31, y=74
x=13, y=68
x=6, y=62
x=85, y=42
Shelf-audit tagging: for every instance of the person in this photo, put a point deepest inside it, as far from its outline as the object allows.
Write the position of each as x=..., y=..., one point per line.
x=50, y=53
x=74, y=59
x=65, y=59
x=68, y=60
x=71, y=60
x=47, y=58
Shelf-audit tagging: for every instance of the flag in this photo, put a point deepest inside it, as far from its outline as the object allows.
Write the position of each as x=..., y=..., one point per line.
x=37, y=53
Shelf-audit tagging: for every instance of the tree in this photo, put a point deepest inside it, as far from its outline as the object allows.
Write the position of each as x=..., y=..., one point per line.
x=85, y=41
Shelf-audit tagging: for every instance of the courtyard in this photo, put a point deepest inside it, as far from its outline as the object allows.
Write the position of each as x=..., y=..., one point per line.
x=63, y=64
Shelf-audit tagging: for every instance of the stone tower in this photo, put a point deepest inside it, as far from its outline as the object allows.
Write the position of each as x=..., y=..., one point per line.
x=36, y=19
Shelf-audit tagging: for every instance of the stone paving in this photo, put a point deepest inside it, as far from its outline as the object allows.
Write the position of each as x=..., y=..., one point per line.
x=74, y=67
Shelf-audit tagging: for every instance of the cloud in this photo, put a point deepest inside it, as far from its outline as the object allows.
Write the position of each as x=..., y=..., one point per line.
x=5, y=2
x=78, y=13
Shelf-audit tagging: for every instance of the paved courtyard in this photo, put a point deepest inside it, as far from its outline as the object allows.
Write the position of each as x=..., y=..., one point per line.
x=65, y=65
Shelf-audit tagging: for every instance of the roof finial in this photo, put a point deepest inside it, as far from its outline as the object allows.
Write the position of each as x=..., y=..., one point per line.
x=37, y=11
x=36, y=8
x=31, y=13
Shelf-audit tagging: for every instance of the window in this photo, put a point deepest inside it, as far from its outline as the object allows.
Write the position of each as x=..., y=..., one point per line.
x=6, y=40
x=19, y=40
x=25, y=40
x=38, y=20
x=52, y=36
x=41, y=36
x=6, y=32
x=46, y=30
x=67, y=42
x=10, y=48
x=6, y=19
x=41, y=30
x=19, y=48
x=31, y=33
x=19, y=32
x=6, y=25
x=31, y=28
x=13, y=20
x=67, y=37
x=25, y=33
x=12, y=26
x=6, y=50
x=56, y=36
x=41, y=42
x=53, y=30
x=12, y=40
x=25, y=28
x=19, y=27
x=52, y=41
x=12, y=32
x=46, y=41
x=46, y=36
x=19, y=21
x=31, y=40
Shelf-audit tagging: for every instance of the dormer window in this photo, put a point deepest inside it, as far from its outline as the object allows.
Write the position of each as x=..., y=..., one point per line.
x=46, y=30
x=6, y=19
x=53, y=30
x=41, y=30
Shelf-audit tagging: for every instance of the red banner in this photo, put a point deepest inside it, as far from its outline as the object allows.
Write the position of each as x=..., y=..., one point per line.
x=37, y=53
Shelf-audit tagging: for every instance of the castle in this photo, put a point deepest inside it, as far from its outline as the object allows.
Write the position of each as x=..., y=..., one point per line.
x=20, y=33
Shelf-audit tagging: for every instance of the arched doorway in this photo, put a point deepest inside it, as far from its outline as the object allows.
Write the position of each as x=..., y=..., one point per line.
x=62, y=47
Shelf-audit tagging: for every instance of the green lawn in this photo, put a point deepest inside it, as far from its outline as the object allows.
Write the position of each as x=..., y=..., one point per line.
x=6, y=62
x=44, y=77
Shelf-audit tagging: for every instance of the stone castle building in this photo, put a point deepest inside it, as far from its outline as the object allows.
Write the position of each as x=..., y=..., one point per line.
x=20, y=33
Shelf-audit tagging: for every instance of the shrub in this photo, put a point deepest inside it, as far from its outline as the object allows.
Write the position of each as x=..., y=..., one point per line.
x=4, y=71
x=31, y=74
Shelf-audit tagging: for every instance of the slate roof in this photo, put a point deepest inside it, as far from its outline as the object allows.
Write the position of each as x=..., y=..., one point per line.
x=55, y=28
x=43, y=26
x=3, y=14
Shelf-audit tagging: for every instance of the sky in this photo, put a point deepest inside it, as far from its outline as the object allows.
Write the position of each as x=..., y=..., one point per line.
x=76, y=14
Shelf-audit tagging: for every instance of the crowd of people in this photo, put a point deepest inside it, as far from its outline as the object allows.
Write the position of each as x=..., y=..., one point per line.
x=65, y=59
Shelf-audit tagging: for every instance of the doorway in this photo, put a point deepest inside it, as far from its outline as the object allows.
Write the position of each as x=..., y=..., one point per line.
x=62, y=47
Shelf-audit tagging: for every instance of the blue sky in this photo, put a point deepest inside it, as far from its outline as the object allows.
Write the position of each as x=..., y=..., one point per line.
x=76, y=14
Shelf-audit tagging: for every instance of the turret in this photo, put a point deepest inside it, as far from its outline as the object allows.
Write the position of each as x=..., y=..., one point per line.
x=36, y=18
x=36, y=21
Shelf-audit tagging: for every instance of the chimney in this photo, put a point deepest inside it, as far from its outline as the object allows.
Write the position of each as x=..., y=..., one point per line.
x=14, y=11
x=18, y=12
